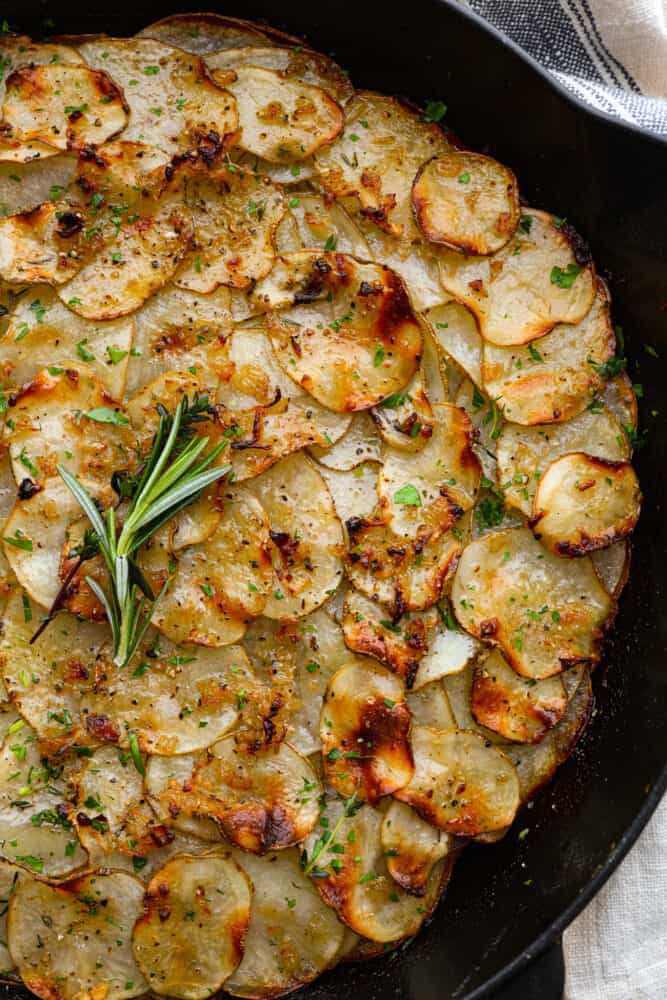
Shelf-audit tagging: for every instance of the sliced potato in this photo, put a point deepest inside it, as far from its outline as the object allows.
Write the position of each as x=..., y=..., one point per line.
x=356, y=881
x=351, y=339
x=361, y=443
x=298, y=62
x=412, y=847
x=620, y=399
x=165, y=775
x=455, y=330
x=236, y=215
x=306, y=535
x=34, y=827
x=261, y=800
x=65, y=105
x=292, y=935
x=281, y=118
x=430, y=706
x=449, y=651
x=409, y=423
x=94, y=912
x=544, y=613
x=466, y=201
x=316, y=222
x=364, y=729
x=43, y=333
x=23, y=186
x=584, y=503
x=523, y=290
x=189, y=937
x=174, y=102
x=556, y=377
x=377, y=156
x=45, y=243
x=167, y=390
x=426, y=493
x=517, y=708
x=524, y=454
x=612, y=565
x=9, y=876
x=461, y=784
x=206, y=33
x=165, y=699
x=458, y=688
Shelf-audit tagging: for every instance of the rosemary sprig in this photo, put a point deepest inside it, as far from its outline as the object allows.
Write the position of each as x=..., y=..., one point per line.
x=323, y=843
x=174, y=474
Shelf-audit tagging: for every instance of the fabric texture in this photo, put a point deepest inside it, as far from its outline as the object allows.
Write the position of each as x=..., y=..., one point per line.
x=612, y=54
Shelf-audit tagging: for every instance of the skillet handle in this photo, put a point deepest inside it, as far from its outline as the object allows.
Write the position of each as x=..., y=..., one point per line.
x=542, y=979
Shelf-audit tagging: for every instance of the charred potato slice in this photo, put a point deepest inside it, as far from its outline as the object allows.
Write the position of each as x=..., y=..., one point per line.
x=515, y=707
x=461, y=784
x=584, y=503
x=466, y=201
x=540, y=278
x=189, y=938
x=544, y=613
x=412, y=847
x=94, y=912
x=364, y=727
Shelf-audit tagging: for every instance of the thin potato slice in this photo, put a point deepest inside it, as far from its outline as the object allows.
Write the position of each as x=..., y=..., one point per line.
x=356, y=881
x=524, y=454
x=7, y=500
x=449, y=651
x=292, y=936
x=534, y=282
x=9, y=876
x=206, y=33
x=94, y=913
x=517, y=708
x=165, y=775
x=298, y=62
x=461, y=784
x=412, y=847
x=427, y=492
x=167, y=390
x=34, y=828
x=430, y=706
x=376, y=158
x=458, y=688
x=612, y=565
x=353, y=492
x=556, y=377
x=409, y=423
x=351, y=338
x=584, y=503
x=544, y=613
x=306, y=535
x=466, y=201
x=45, y=243
x=189, y=937
x=173, y=100
x=23, y=186
x=261, y=800
x=455, y=330
x=361, y=443
x=65, y=105
x=43, y=333
x=281, y=118
x=236, y=215
x=619, y=397
x=364, y=729
x=165, y=699
x=316, y=222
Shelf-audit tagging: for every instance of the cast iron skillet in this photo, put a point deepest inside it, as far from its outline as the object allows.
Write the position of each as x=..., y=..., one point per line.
x=508, y=904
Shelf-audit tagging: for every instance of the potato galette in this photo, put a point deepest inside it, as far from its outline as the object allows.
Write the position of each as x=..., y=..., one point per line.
x=316, y=494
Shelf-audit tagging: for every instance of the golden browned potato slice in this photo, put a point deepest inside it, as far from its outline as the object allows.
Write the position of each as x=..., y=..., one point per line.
x=352, y=875
x=412, y=847
x=461, y=784
x=354, y=493
x=342, y=329
x=401, y=645
x=458, y=688
x=523, y=290
x=306, y=536
x=544, y=613
x=260, y=799
x=177, y=701
x=44, y=333
x=455, y=330
x=517, y=708
x=236, y=214
x=466, y=201
x=281, y=118
x=364, y=729
x=166, y=390
x=64, y=105
x=189, y=937
x=46, y=243
x=167, y=774
x=360, y=443
x=612, y=565
x=292, y=937
x=301, y=63
x=553, y=378
x=376, y=158
x=207, y=33
x=174, y=102
x=525, y=453
x=425, y=493
x=94, y=913
x=23, y=186
x=36, y=838
x=584, y=503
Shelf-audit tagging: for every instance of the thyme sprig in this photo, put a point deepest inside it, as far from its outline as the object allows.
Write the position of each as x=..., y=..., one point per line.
x=323, y=843
x=173, y=475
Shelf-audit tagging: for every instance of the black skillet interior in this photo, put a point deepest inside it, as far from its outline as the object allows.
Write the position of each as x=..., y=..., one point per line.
x=507, y=902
